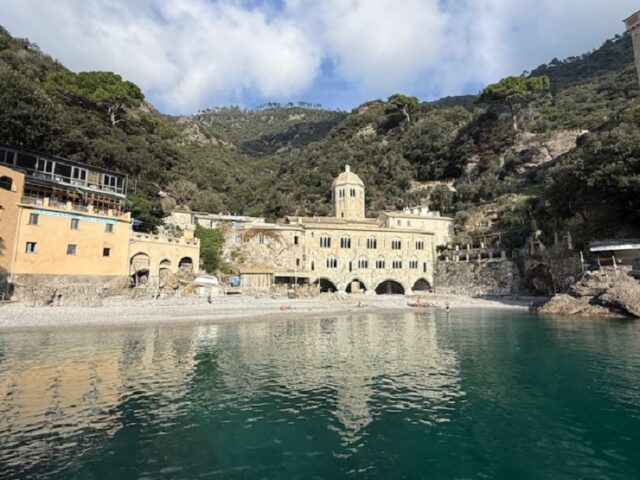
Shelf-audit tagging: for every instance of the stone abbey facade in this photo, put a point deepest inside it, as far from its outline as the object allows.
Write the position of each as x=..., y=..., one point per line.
x=393, y=253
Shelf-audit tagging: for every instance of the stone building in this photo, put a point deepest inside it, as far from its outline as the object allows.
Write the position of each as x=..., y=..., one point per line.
x=393, y=253
x=633, y=27
x=62, y=222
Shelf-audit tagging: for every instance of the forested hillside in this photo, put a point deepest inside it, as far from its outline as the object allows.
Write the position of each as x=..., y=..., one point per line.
x=563, y=155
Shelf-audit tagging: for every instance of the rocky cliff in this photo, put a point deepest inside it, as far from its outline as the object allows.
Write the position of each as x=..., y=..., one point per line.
x=600, y=293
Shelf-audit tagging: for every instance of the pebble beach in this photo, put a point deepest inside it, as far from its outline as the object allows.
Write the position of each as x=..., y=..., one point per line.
x=226, y=309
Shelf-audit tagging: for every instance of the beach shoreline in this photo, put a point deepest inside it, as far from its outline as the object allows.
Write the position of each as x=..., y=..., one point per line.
x=230, y=309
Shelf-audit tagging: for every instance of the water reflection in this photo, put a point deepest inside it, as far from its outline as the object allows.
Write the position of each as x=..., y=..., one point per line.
x=368, y=368
x=76, y=390
x=477, y=394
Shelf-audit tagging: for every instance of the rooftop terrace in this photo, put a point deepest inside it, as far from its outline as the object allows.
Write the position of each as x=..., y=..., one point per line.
x=45, y=169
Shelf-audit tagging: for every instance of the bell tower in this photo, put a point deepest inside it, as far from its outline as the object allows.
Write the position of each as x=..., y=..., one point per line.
x=348, y=195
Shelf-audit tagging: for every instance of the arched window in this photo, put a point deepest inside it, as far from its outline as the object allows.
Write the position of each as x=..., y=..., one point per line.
x=420, y=245
x=396, y=244
x=396, y=264
x=332, y=262
x=345, y=242
x=325, y=241
x=413, y=264
x=363, y=262
x=372, y=243
x=380, y=263
x=6, y=183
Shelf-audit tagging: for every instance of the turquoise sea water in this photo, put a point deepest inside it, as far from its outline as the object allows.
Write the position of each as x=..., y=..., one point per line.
x=472, y=395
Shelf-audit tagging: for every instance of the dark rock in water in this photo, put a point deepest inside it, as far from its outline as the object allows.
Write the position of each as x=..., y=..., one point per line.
x=608, y=292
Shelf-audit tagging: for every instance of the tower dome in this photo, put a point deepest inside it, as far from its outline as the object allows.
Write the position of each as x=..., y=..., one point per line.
x=348, y=195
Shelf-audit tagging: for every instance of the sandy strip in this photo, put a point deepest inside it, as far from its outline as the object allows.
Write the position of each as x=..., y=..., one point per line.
x=231, y=308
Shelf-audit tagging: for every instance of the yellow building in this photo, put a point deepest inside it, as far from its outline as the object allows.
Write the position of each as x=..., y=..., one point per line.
x=393, y=253
x=62, y=220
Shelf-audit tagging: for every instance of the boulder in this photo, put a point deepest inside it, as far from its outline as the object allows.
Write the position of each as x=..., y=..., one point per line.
x=598, y=293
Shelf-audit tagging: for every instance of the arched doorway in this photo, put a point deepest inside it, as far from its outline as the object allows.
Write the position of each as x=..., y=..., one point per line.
x=165, y=272
x=356, y=286
x=421, y=285
x=139, y=269
x=326, y=285
x=390, y=287
x=185, y=266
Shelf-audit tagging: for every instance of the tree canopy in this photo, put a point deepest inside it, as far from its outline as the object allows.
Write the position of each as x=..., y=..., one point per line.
x=104, y=90
x=515, y=92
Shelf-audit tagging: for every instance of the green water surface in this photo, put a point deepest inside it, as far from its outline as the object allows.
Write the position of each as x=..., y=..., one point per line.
x=471, y=395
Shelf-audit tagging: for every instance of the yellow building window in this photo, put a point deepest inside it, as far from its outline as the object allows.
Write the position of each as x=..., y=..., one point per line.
x=106, y=252
x=30, y=247
x=33, y=218
x=72, y=249
x=75, y=223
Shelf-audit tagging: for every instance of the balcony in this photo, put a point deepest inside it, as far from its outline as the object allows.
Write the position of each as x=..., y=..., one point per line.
x=73, y=182
x=49, y=203
x=40, y=168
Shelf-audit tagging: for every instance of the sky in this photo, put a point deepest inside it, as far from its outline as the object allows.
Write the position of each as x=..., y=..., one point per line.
x=188, y=55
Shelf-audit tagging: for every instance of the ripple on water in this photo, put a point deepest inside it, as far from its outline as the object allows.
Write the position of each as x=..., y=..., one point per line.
x=476, y=395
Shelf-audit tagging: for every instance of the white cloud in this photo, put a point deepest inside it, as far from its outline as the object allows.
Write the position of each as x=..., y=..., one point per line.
x=188, y=54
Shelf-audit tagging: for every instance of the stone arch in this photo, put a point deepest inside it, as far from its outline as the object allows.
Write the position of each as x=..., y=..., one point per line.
x=140, y=268
x=421, y=285
x=326, y=285
x=390, y=287
x=185, y=265
x=6, y=183
x=355, y=285
x=164, y=271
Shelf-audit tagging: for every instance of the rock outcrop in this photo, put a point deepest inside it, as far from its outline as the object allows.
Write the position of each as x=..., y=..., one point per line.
x=597, y=294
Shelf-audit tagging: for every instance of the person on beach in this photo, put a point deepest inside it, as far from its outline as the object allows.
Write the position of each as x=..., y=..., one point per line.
x=446, y=306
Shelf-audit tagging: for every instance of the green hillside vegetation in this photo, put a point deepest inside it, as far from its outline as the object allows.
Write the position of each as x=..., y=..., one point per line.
x=280, y=159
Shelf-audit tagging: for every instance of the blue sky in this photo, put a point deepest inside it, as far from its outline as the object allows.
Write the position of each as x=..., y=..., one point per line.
x=193, y=54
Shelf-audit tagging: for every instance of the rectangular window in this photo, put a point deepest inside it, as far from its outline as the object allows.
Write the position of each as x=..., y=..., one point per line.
x=33, y=218
x=297, y=262
x=108, y=228
x=420, y=245
x=71, y=249
x=30, y=247
x=325, y=242
x=372, y=243
x=106, y=252
x=396, y=245
x=345, y=242
x=75, y=223
x=296, y=240
x=238, y=239
x=261, y=238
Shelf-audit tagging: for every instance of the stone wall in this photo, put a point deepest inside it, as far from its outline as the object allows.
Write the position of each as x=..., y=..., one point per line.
x=477, y=278
x=42, y=290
